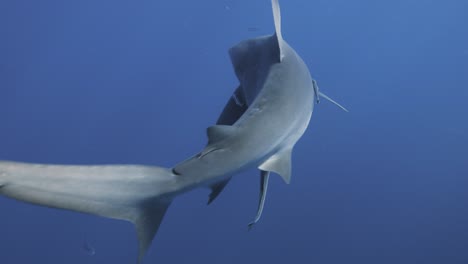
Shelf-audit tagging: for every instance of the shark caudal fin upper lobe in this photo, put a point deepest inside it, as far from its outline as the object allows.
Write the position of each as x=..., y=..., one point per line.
x=139, y=194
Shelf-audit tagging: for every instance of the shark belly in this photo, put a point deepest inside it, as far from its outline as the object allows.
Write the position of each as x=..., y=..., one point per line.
x=274, y=121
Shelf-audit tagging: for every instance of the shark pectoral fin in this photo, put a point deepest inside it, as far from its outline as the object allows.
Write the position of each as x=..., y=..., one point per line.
x=125, y=192
x=264, y=176
x=333, y=101
x=279, y=163
x=219, y=132
x=147, y=223
x=216, y=189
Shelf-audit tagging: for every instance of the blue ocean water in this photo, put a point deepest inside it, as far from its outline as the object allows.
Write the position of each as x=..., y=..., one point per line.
x=96, y=82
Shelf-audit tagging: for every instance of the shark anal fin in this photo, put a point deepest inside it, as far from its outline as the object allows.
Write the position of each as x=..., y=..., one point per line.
x=279, y=163
x=216, y=189
x=147, y=224
x=264, y=177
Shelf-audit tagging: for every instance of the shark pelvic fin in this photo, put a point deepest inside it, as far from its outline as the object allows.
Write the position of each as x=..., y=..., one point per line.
x=216, y=189
x=279, y=163
x=264, y=176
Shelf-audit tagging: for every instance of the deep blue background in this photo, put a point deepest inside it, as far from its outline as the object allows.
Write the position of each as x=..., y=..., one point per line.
x=101, y=81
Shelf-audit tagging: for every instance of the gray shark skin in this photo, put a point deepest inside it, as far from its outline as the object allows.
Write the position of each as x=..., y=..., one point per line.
x=259, y=126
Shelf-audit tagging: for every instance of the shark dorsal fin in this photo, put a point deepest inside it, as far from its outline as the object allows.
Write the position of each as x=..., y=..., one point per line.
x=219, y=132
x=279, y=163
x=277, y=19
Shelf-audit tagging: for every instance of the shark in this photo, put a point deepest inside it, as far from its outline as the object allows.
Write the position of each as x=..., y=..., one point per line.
x=258, y=128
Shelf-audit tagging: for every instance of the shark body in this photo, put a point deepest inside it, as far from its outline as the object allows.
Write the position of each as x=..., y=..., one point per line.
x=259, y=126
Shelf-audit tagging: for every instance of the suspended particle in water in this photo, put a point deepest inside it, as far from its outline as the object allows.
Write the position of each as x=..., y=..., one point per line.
x=88, y=249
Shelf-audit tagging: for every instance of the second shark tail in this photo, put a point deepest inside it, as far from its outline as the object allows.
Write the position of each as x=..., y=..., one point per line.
x=139, y=194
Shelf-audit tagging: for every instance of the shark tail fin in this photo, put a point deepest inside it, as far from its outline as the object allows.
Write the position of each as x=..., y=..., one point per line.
x=333, y=101
x=139, y=194
x=277, y=20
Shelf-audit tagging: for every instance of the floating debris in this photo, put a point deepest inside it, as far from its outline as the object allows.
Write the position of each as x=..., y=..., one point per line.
x=90, y=251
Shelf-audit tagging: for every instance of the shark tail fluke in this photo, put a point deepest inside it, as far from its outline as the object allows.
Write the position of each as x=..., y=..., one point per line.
x=139, y=194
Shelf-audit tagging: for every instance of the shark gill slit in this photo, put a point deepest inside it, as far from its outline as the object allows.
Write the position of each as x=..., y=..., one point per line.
x=173, y=171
